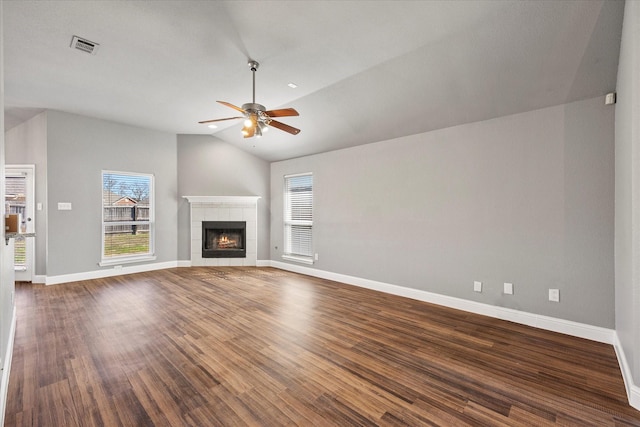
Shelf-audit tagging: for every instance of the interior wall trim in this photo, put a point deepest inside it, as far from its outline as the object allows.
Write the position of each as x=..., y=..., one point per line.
x=109, y=272
x=568, y=327
x=39, y=279
x=633, y=391
x=581, y=330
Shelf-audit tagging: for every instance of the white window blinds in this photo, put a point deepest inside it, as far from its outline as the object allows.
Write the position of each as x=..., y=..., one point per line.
x=298, y=215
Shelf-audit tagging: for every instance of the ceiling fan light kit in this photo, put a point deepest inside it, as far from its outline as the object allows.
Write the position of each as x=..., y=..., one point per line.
x=257, y=117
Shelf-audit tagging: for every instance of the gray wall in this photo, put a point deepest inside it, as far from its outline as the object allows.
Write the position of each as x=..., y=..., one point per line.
x=70, y=151
x=627, y=195
x=27, y=144
x=526, y=199
x=209, y=167
x=78, y=149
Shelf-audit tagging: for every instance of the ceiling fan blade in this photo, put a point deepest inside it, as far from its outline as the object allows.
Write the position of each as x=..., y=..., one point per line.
x=232, y=106
x=282, y=126
x=285, y=112
x=220, y=120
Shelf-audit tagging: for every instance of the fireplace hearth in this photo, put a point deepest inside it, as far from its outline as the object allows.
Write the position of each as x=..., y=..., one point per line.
x=224, y=239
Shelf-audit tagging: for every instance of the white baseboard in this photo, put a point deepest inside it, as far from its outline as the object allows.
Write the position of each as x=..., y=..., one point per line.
x=567, y=327
x=634, y=396
x=6, y=368
x=633, y=391
x=581, y=330
x=108, y=272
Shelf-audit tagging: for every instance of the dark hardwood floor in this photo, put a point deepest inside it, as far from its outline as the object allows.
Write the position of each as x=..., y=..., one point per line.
x=264, y=347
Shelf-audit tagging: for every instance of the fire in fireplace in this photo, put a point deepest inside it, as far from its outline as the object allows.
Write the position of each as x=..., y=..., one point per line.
x=224, y=239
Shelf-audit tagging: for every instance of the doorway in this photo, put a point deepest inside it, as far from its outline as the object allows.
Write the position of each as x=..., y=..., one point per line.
x=19, y=199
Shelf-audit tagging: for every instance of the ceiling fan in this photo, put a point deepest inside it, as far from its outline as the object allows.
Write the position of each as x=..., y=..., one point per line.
x=257, y=117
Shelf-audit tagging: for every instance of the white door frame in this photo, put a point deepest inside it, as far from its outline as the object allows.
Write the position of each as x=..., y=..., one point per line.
x=29, y=172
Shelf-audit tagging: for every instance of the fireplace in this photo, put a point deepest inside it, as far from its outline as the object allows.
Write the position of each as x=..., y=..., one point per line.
x=224, y=239
x=223, y=208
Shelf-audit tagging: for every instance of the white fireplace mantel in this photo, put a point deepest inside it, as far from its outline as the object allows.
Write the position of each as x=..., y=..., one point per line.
x=222, y=199
x=223, y=208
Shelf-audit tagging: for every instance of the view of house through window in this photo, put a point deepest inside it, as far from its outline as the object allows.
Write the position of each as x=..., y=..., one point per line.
x=127, y=216
x=298, y=217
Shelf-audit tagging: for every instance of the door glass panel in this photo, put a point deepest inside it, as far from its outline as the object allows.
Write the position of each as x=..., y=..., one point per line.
x=16, y=203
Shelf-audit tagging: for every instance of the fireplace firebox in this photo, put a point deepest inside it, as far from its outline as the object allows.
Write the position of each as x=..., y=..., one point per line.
x=224, y=239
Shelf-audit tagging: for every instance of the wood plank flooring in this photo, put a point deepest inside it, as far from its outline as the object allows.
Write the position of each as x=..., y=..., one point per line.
x=264, y=347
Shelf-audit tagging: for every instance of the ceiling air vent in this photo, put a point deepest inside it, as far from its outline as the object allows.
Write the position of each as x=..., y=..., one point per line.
x=84, y=45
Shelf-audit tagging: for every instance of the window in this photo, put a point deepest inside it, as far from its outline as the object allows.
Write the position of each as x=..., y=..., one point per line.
x=127, y=217
x=298, y=217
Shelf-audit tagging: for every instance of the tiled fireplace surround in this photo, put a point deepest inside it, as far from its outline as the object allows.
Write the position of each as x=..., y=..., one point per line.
x=224, y=208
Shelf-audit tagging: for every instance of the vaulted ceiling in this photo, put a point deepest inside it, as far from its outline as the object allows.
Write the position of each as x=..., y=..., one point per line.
x=366, y=71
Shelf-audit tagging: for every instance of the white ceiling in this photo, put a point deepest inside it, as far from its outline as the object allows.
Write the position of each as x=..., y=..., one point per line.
x=366, y=70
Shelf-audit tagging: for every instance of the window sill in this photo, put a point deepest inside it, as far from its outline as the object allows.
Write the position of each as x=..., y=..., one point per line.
x=300, y=259
x=127, y=260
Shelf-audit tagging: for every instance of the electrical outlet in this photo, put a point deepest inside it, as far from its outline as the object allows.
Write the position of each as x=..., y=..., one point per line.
x=477, y=286
x=610, y=98
x=508, y=288
x=554, y=295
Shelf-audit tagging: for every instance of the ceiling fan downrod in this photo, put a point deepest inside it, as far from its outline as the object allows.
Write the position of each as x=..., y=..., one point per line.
x=253, y=108
x=253, y=66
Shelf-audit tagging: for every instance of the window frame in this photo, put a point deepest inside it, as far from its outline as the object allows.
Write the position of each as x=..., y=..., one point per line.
x=133, y=258
x=289, y=254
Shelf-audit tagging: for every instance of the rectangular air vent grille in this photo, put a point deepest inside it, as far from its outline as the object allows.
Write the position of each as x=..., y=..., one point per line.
x=84, y=45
